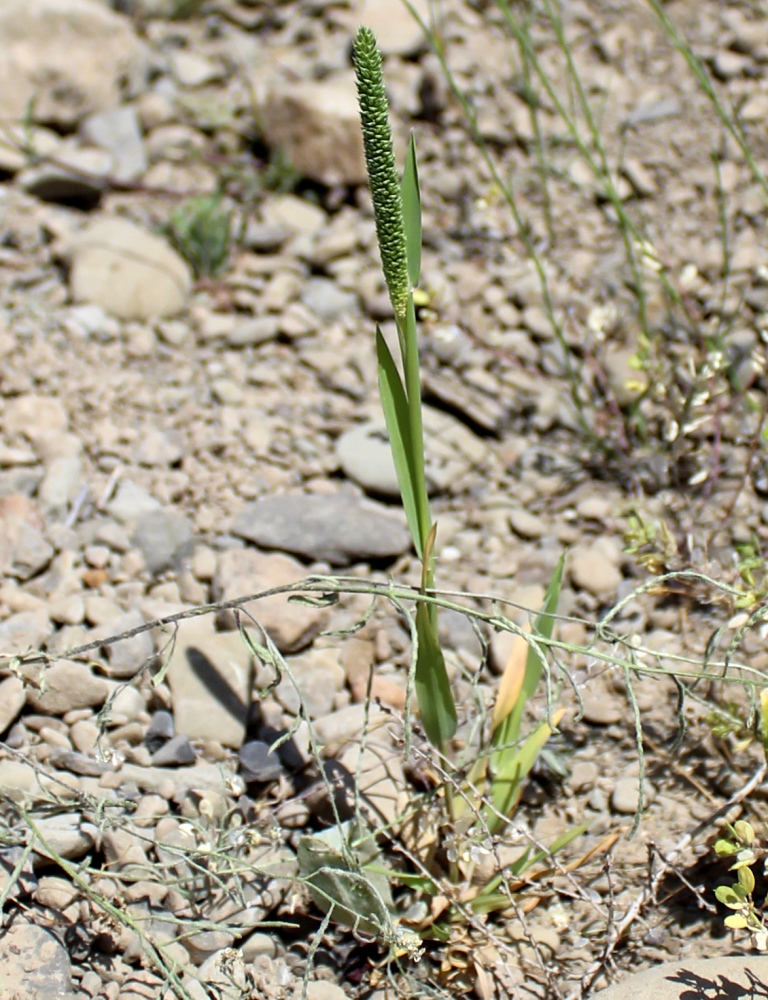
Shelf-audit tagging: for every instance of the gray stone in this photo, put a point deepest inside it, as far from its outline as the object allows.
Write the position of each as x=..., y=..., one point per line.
x=63, y=58
x=594, y=567
x=210, y=676
x=694, y=979
x=163, y=537
x=119, y=132
x=243, y=572
x=12, y=698
x=131, y=273
x=316, y=125
x=601, y=708
x=63, y=834
x=24, y=632
x=526, y=524
x=326, y=300
x=258, y=330
x=158, y=448
x=337, y=528
x=451, y=449
x=128, y=656
x=131, y=502
x=626, y=795
x=61, y=483
x=65, y=686
x=177, y=751
x=366, y=458
x=397, y=32
x=24, y=551
x=314, y=679
x=258, y=763
x=34, y=964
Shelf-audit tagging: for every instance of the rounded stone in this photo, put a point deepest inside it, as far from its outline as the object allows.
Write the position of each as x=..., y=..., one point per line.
x=694, y=979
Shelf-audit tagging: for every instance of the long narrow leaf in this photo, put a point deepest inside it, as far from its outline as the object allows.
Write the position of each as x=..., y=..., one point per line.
x=508, y=732
x=395, y=406
x=433, y=689
x=508, y=781
x=411, y=196
x=511, y=683
x=412, y=377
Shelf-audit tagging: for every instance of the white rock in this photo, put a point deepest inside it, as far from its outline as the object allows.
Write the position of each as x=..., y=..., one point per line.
x=118, y=131
x=242, y=572
x=317, y=126
x=397, y=31
x=210, y=675
x=38, y=63
x=128, y=271
x=12, y=698
x=694, y=979
x=594, y=567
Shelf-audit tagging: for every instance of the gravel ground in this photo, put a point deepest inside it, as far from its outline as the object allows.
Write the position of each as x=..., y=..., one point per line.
x=170, y=439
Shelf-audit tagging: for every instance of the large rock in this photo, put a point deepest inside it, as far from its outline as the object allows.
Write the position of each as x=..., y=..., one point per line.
x=397, y=32
x=34, y=964
x=210, y=675
x=24, y=550
x=317, y=126
x=694, y=979
x=38, y=67
x=452, y=450
x=337, y=528
x=243, y=572
x=128, y=272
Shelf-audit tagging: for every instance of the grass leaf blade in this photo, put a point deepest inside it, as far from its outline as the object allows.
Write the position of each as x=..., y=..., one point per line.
x=394, y=403
x=433, y=689
x=411, y=197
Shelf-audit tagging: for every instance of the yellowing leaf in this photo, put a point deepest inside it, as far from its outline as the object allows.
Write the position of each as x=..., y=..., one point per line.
x=745, y=832
x=735, y=920
x=511, y=681
x=747, y=880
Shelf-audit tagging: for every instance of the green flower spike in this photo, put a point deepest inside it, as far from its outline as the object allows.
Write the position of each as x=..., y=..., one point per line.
x=382, y=172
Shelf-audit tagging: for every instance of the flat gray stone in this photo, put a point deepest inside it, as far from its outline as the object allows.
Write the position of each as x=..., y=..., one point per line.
x=131, y=501
x=129, y=272
x=451, y=448
x=730, y=976
x=34, y=964
x=163, y=536
x=118, y=131
x=24, y=550
x=242, y=572
x=127, y=657
x=65, y=686
x=335, y=528
x=210, y=675
x=326, y=300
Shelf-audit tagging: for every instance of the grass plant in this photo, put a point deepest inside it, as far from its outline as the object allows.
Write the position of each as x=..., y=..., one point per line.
x=201, y=230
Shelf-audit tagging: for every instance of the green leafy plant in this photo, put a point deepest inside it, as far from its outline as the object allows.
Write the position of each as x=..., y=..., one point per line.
x=743, y=846
x=201, y=230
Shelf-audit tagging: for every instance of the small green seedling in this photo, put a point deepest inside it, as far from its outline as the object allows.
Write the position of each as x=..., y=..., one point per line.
x=201, y=230
x=743, y=847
